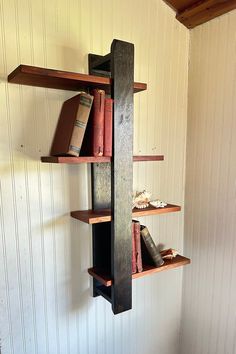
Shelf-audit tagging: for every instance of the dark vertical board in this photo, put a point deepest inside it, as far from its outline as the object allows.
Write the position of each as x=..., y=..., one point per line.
x=122, y=73
x=112, y=183
x=102, y=254
x=99, y=65
x=101, y=189
x=101, y=234
x=101, y=198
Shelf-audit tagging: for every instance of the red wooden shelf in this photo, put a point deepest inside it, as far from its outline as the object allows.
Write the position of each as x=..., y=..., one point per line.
x=93, y=159
x=148, y=158
x=104, y=215
x=63, y=80
x=75, y=160
x=105, y=279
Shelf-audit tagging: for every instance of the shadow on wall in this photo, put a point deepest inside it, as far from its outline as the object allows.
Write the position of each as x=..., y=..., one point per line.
x=30, y=123
x=80, y=237
x=32, y=119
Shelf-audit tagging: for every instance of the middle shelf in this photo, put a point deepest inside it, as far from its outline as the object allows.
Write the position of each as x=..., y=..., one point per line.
x=104, y=215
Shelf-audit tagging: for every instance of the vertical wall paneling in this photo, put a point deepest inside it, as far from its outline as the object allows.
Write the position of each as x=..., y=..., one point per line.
x=208, y=307
x=45, y=295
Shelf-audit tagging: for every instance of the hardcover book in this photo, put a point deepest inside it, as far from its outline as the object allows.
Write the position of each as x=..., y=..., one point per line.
x=150, y=253
x=97, y=122
x=71, y=125
x=137, y=238
x=108, y=117
x=133, y=250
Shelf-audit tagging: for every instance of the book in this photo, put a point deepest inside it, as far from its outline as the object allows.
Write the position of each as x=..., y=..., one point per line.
x=71, y=125
x=133, y=250
x=137, y=238
x=97, y=122
x=108, y=117
x=150, y=253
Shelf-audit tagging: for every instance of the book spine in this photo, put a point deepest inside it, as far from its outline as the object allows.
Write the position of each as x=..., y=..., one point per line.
x=151, y=247
x=85, y=103
x=138, y=246
x=133, y=249
x=108, y=117
x=98, y=122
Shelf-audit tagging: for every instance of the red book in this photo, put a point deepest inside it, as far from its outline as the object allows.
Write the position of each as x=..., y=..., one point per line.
x=133, y=250
x=98, y=122
x=108, y=113
x=137, y=238
x=71, y=125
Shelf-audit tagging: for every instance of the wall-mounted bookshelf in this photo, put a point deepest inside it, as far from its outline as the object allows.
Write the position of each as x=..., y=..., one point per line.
x=111, y=213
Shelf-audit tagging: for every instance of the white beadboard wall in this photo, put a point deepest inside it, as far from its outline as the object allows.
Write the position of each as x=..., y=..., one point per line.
x=209, y=292
x=45, y=302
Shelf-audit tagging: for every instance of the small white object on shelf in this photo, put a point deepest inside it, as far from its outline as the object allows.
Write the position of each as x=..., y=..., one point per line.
x=158, y=203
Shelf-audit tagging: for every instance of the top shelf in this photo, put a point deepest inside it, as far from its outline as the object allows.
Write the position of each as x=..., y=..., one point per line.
x=63, y=80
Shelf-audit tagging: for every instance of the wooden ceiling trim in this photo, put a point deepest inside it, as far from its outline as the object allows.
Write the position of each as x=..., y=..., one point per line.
x=180, y=5
x=204, y=11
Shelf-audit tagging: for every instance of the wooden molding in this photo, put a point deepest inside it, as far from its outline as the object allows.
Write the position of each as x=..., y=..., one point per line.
x=203, y=11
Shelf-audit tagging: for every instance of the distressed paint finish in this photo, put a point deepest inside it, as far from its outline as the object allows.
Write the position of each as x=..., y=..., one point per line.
x=122, y=73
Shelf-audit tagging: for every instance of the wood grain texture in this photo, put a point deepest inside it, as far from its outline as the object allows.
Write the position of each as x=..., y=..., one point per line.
x=180, y=5
x=106, y=279
x=122, y=73
x=104, y=215
x=148, y=158
x=195, y=12
x=63, y=80
x=75, y=160
x=204, y=11
x=94, y=159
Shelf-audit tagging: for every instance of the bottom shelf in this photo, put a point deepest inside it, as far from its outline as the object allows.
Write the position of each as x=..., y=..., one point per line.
x=106, y=280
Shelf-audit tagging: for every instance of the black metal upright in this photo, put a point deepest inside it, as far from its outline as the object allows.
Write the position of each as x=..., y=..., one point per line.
x=112, y=183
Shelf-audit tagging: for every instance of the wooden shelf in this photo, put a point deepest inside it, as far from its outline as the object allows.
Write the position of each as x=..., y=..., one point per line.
x=148, y=158
x=106, y=280
x=75, y=160
x=93, y=159
x=104, y=215
x=63, y=80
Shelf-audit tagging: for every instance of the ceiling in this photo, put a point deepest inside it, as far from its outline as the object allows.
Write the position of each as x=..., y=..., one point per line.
x=193, y=13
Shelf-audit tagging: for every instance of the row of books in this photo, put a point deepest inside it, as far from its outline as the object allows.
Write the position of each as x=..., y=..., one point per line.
x=144, y=250
x=84, y=126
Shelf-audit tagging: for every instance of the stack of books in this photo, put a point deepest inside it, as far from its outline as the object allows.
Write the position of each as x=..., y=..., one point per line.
x=144, y=250
x=84, y=126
